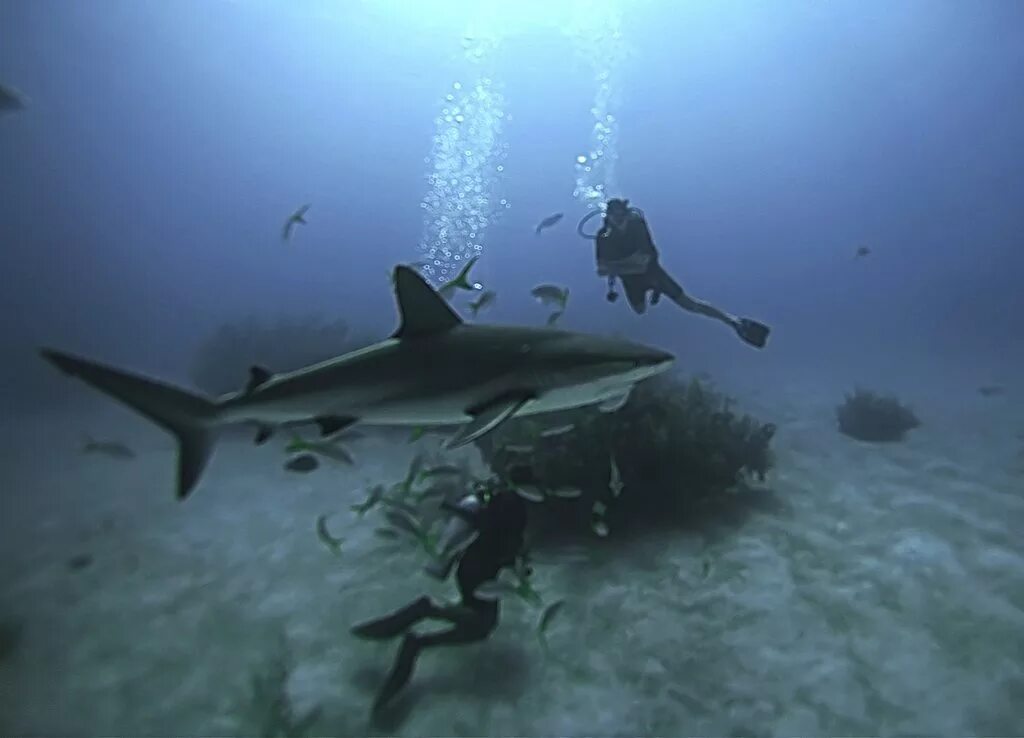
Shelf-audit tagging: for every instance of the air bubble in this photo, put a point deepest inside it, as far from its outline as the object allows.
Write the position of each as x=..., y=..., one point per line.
x=581, y=159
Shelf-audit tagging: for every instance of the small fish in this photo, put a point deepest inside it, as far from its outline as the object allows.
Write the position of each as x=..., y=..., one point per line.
x=299, y=216
x=551, y=294
x=493, y=590
x=529, y=492
x=10, y=99
x=303, y=464
x=333, y=544
x=597, y=521
x=113, y=449
x=371, y=501
x=403, y=521
x=514, y=448
x=329, y=449
x=442, y=470
x=461, y=281
x=991, y=390
x=559, y=430
x=437, y=490
x=553, y=318
x=545, y=621
x=861, y=252
x=615, y=485
x=567, y=493
x=413, y=473
x=549, y=221
x=487, y=298
x=403, y=507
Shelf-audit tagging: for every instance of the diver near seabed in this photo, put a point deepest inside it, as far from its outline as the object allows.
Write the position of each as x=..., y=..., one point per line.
x=625, y=250
x=485, y=535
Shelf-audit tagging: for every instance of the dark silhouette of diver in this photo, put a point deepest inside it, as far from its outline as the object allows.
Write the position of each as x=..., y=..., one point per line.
x=487, y=529
x=625, y=250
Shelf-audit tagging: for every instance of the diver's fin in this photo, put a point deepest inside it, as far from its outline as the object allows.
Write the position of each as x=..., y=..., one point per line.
x=395, y=623
x=422, y=311
x=331, y=424
x=616, y=402
x=488, y=417
x=258, y=375
x=190, y=418
x=754, y=333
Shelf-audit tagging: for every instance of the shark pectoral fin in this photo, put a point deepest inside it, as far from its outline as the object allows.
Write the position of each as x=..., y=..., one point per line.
x=487, y=418
x=258, y=375
x=615, y=402
x=331, y=424
x=423, y=312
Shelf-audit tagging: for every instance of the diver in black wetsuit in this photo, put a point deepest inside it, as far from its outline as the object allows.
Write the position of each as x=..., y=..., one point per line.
x=625, y=250
x=488, y=531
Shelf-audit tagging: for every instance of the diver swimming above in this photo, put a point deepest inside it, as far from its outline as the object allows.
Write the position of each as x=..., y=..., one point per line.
x=485, y=535
x=626, y=251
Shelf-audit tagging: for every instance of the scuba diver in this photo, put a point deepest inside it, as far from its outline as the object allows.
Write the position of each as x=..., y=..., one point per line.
x=485, y=535
x=626, y=251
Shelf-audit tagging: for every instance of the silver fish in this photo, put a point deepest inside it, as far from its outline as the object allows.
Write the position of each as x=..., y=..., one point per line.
x=10, y=99
x=296, y=218
x=615, y=485
x=559, y=430
x=486, y=299
x=530, y=493
x=333, y=544
x=551, y=294
x=549, y=221
x=303, y=464
x=113, y=449
x=519, y=448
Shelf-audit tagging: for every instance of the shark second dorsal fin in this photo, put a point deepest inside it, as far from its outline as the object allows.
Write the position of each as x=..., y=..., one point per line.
x=421, y=311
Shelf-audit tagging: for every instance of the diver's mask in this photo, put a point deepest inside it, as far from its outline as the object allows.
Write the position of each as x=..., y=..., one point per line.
x=617, y=213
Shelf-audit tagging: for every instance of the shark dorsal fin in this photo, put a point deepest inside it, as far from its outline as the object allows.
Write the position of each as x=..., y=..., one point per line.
x=421, y=310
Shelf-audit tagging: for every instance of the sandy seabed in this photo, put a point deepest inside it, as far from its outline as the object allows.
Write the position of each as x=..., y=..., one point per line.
x=873, y=590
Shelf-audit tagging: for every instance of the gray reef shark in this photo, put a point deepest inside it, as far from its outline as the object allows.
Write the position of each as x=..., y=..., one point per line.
x=434, y=370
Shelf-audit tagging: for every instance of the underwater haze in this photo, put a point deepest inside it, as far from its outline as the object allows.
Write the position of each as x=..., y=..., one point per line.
x=808, y=525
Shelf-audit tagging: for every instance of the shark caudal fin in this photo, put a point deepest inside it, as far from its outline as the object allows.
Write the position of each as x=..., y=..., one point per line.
x=190, y=418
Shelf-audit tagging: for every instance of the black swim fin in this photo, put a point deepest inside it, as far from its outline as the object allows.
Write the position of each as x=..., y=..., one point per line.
x=396, y=623
x=754, y=333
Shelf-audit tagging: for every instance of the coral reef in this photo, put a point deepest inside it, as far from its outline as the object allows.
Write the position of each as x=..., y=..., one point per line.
x=867, y=416
x=674, y=443
x=223, y=359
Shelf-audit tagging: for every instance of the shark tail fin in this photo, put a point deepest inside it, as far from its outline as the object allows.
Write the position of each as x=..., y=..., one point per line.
x=191, y=419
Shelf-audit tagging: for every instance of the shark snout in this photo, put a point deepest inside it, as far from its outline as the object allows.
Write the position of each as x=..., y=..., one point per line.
x=654, y=358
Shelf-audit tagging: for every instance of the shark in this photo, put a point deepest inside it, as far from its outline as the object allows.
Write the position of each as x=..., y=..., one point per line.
x=433, y=370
